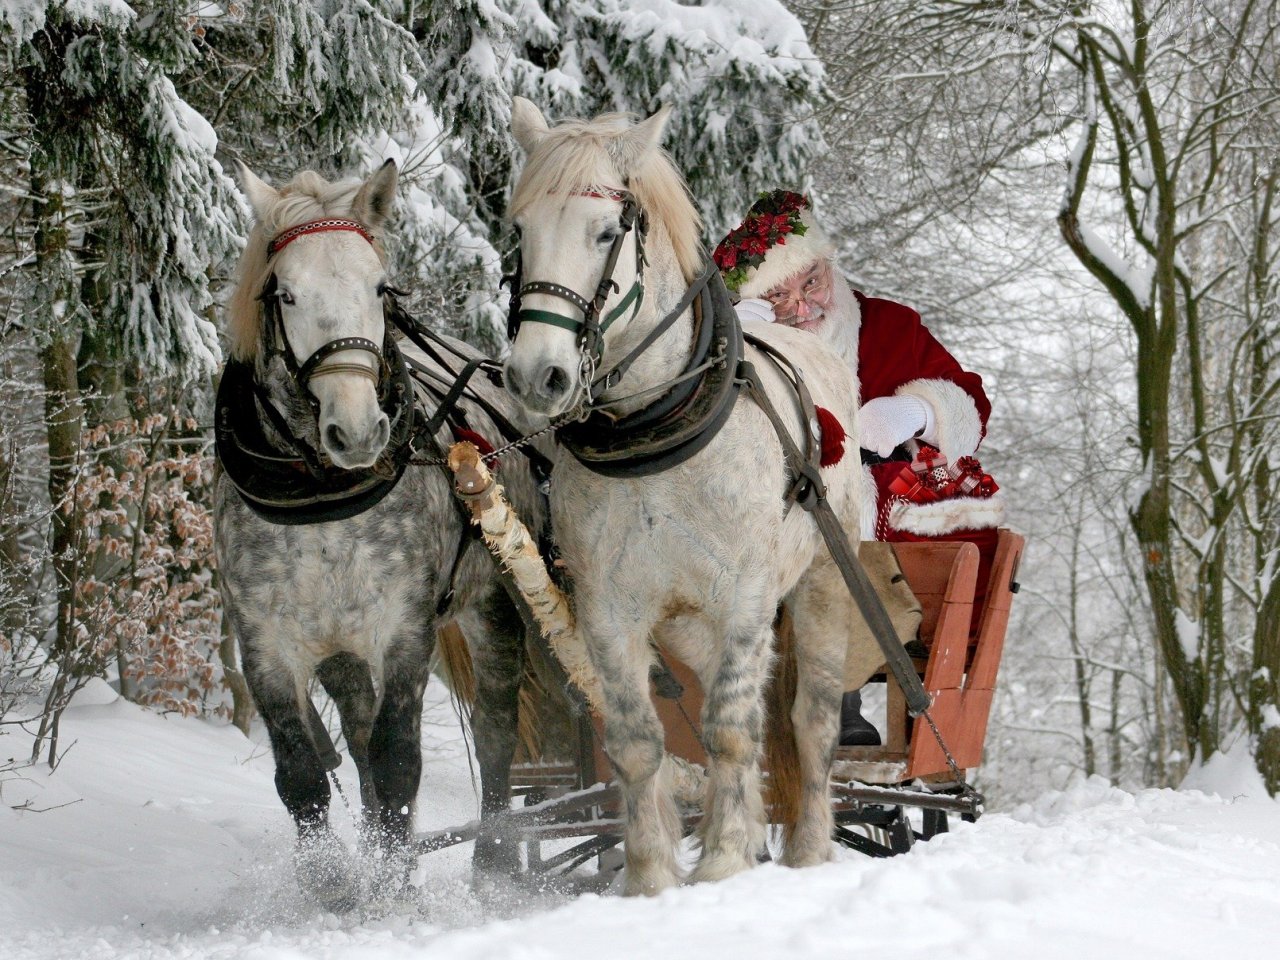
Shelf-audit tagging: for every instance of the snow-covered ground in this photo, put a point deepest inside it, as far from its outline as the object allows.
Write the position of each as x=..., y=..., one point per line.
x=163, y=838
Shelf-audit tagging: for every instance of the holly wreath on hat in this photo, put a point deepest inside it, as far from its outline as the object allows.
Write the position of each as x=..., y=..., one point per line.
x=776, y=240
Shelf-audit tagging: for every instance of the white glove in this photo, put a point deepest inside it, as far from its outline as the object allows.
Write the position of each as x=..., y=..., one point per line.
x=885, y=422
x=752, y=309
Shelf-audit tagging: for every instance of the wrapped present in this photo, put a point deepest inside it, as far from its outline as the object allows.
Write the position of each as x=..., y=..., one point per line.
x=930, y=496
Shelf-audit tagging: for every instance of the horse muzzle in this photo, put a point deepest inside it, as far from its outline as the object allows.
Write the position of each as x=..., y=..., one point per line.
x=545, y=387
x=354, y=430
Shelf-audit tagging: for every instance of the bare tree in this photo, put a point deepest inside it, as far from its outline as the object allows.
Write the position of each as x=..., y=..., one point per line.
x=1170, y=112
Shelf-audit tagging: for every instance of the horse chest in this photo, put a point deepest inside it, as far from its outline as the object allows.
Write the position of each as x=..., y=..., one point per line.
x=318, y=590
x=660, y=533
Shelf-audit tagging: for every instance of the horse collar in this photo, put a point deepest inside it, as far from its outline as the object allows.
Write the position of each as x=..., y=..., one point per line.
x=290, y=485
x=684, y=419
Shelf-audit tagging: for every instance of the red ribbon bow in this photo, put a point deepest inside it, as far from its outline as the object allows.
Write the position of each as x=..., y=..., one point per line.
x=929, y=478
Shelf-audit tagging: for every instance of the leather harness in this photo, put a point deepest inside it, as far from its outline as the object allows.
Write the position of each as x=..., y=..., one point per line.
x=285, y=479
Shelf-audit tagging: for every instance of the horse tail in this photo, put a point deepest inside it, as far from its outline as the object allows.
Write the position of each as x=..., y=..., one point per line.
x=781, y=755
x=528, y=733
x=453, y=664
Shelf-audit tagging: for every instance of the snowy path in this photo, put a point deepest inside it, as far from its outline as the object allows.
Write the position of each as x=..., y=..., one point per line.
x=174, y=845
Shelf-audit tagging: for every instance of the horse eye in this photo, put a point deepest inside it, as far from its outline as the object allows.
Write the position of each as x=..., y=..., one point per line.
x=382, y=289
x=607, y=236
x=286, y=297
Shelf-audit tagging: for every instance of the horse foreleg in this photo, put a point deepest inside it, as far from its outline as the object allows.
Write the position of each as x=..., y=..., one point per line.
x=497, y=643
x=634, y=742
x=347, y=680
x=320, y=861
x=395, y=756
x=820, y=604
x=300, y=777
x=733, y=821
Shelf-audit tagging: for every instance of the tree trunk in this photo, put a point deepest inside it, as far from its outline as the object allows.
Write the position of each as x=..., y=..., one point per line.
x=11, y=577
x=1114, y=741
x=1079, y=660
x=58, y=298
x=1264, y=692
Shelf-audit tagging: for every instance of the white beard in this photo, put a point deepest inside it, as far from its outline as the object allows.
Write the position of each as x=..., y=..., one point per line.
x=841, y=323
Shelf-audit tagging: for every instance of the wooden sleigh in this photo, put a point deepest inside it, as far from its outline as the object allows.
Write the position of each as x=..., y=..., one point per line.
x=874, y=788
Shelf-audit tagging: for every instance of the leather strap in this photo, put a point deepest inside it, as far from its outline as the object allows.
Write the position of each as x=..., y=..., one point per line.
x=684, y=420
x=810, y=492
x=323, y=225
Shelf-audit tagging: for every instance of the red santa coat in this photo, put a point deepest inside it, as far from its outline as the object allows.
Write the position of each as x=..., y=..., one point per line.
x=897, y=355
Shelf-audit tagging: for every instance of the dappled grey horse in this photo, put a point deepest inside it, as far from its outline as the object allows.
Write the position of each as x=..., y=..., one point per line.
x=338, y=560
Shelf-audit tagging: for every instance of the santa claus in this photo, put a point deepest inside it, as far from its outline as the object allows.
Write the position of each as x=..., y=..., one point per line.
x=778, y=262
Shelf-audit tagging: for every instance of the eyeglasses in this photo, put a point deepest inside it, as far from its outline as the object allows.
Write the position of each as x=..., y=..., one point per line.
x=812, y=288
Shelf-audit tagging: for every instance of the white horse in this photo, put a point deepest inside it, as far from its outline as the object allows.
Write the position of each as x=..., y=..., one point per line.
x=696, y=557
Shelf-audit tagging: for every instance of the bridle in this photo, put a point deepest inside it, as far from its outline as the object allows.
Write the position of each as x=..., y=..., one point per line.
x=314, y=366
x=591, y=328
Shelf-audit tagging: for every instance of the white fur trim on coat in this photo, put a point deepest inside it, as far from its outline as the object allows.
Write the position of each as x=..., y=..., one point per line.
x=947, y=516
x=784, y=260
x=959, y=428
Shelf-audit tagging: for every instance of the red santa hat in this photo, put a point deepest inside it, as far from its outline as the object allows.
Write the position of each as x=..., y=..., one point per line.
x=777, y=240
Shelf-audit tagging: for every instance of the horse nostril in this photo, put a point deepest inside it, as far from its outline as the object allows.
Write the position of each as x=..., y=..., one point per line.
x=514, y=380
x=334, y=438
x=555, y=383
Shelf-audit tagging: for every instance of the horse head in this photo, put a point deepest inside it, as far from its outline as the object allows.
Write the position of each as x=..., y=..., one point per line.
x=308, y=310
x=589, y=192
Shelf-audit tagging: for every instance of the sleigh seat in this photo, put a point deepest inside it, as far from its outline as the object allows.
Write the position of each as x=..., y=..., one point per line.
x=957, y=662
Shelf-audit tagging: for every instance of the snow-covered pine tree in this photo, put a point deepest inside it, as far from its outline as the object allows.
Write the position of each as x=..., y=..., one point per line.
x=146, y=206
x=128, y=210
x=291, y=85
x=738, y=72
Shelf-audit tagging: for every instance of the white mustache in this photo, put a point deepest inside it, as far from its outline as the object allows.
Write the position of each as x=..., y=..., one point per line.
x=813, y=317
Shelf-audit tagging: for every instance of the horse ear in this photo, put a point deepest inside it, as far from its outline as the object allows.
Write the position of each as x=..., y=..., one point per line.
x=373, y=202
x=258, y=192
x=630, y=148
x=528, y=125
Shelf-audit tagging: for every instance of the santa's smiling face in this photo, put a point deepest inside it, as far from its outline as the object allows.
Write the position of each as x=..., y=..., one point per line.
x=803, y=300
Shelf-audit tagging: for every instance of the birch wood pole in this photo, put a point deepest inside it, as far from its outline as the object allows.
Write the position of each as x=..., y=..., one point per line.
x=515, y=548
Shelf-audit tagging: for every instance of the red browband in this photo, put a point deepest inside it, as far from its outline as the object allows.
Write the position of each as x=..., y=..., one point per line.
x=325, y=225
x=605, y=193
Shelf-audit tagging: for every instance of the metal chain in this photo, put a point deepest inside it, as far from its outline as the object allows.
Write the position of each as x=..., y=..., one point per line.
x=966, y=789
x=497, y=452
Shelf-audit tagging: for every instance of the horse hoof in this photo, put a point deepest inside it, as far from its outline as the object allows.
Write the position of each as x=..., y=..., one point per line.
x=325, y=873
x=647, y=883
x=495, y=856
x=720, y=867
x=393, y=876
